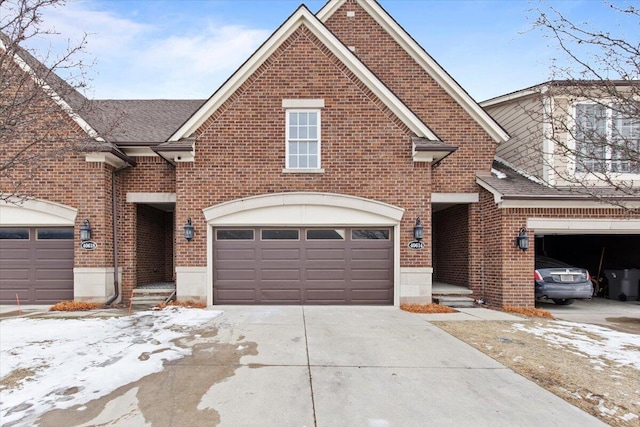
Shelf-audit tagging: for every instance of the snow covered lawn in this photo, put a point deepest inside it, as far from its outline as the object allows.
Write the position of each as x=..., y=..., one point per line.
x=58, y=363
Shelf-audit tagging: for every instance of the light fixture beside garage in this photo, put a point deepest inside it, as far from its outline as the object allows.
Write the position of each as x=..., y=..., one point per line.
x=522, y=240
x=188, y=230
x=418, y=230
x=85, y=231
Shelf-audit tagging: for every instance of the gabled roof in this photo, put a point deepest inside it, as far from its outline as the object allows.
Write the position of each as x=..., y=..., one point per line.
x=513, y=188
x=302, y=16
x=542, y=87
x=423, y=59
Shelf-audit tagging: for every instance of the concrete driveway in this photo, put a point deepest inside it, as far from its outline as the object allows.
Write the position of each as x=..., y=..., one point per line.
x=623, y=316
x=327, y=366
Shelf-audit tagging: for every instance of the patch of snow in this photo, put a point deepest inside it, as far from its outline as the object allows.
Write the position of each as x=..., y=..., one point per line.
x=78, y=360
x=241, y=347
x=518, y=358
x=589, y=340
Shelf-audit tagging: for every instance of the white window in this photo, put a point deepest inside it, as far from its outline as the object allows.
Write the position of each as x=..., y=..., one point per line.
x=607, y=139
x=303, y=139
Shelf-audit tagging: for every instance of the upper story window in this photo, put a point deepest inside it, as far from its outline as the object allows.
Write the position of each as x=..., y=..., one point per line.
x=607, y=139
x=303, y=139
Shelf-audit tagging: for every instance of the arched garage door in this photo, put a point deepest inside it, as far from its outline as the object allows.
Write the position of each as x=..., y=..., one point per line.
x=297, y=265
x=36, y=263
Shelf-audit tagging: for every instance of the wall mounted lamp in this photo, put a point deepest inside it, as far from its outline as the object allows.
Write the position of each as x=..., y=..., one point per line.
x=522, y=240
x=85, y=231
x=418, y=230
x=188, y=230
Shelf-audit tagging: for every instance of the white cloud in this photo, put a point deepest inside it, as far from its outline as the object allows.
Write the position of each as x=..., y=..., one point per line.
x=156, y=60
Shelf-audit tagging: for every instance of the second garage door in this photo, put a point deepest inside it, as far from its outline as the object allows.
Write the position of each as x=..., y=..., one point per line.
x=36, y=264
x=303, y=266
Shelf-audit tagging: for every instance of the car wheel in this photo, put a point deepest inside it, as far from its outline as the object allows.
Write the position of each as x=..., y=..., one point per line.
x=563, y=301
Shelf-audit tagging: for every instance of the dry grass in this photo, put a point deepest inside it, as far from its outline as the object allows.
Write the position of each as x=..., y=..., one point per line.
x=76, y=306
x=427, y=308
x=533, y=312
x=186, y=304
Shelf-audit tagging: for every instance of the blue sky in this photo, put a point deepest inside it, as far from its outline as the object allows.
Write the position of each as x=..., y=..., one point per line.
x=185, y=49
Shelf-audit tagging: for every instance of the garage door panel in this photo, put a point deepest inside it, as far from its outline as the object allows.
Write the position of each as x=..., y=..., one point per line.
x=40, y=271
x=370, y=294
x=269, y=254
x=8, y=294
x=52, y=296
x=281, y=296
x=325, y=274
x=236, y=274
x=14, y=274
x=305, y=271
x=381, y=254
x=53, y=274
x=281, y=275
x=326, y=254
x=11, y=254
x=372, y=274
x=55, y=255
x=248, y=254
x=235, y=296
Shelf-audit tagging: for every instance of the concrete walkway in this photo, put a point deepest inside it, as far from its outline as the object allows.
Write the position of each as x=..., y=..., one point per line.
x=328, y=366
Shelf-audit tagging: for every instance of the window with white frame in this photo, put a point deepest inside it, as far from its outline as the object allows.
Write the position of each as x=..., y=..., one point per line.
x=303, y=139
x=607, y=139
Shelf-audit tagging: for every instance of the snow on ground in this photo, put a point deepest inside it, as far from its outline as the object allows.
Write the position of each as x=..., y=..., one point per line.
x=589, y=340
x=77, y=360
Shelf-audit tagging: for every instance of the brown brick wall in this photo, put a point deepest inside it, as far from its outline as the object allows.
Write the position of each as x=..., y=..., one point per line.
x=240, y=151
x=378, y=51
x=58, y=172
x=151, y=175
x=506, y=274
x=451, y=245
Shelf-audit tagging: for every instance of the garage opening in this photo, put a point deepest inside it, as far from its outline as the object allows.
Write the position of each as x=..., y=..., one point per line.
x=36, y=264
x=292, y=265
x=616, y=257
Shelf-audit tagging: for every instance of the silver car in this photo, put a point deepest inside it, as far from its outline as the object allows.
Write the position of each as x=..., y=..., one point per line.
x=561, y=282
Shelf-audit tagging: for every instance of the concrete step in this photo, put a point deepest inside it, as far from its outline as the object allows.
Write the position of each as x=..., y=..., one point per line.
x=453, y=301
x=150, y=297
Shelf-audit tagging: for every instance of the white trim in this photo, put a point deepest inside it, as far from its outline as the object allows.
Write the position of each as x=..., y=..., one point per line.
x=35, y=212
x=548, y=145
x=510, y=97
x=462, y=198
x=319, y=170
x=303, y=209
x=139, y=151
x=303, y=17
x=56, y=98
x=497, y=196
x=107, y=158
x=423, y=59
x=151, y=197
x=583, y=226
x=303, y=103
x=317, y=139
x=392, y=213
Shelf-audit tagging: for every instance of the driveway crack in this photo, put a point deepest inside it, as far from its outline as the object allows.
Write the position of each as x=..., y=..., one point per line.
x=306, y=344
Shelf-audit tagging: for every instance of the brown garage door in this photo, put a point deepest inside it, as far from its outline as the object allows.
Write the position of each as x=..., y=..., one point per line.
x=303, y=266
x=36, y=264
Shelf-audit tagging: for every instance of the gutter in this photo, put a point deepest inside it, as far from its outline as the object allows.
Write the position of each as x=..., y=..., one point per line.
x=114, y=205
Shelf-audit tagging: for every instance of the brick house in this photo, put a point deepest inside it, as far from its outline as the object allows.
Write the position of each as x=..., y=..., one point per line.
x=552, y=179
x=303, y=177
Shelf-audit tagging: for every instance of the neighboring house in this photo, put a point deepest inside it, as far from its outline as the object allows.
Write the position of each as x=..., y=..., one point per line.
x=564, y=178
x=303, y=178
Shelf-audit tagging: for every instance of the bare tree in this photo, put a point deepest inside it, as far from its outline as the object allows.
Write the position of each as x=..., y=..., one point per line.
x=35, y=103
x=592, y=105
